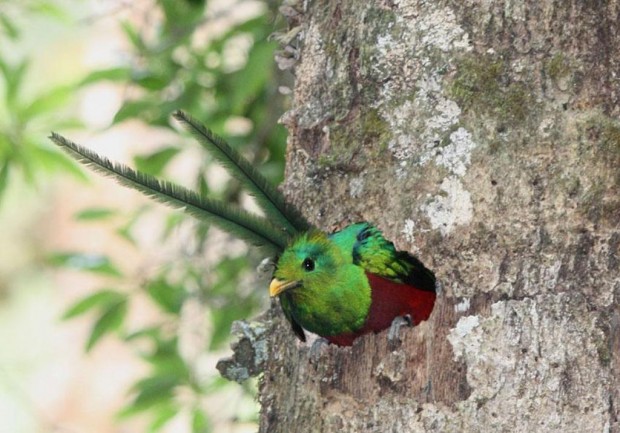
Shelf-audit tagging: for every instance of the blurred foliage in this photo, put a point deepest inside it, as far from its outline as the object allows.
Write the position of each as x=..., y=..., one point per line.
x=173, y=64
x=25, y=119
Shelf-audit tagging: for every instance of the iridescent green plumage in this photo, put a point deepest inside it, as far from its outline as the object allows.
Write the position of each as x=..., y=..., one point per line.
x=272, y=233
x=350, y=283
x=339, y=286
x=280, y=213
x=334, y=296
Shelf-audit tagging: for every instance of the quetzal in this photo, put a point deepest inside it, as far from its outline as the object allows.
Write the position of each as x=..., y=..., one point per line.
x=339, y=286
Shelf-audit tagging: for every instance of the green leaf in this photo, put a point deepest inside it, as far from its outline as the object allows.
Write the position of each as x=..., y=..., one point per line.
x=96, y=263
x=133, y=220
x=4, y=176
x=11, y=30
x=13, y=76
x=181, y=15
x=110, y=320
x=173, y=220
x=221, y=323
x=47, y=103
x=49, y=159
x=94, y=214
x=70, y=123
x=252, y=78
x=102, y=298
x=200, y=422
x=120, y=74
x=152, y=391
x=168, y=296
x=165, y=359
x=165, y=412
x=150, y=81
x=152, y=332
x=50, y=9
x=155, y=163
x=132, y=110
x=133, y=35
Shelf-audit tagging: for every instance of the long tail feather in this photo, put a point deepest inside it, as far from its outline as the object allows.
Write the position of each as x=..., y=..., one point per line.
x=267, y=197
x=251, y=228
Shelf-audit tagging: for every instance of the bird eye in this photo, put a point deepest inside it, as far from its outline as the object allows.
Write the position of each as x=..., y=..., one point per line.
x=308, y=265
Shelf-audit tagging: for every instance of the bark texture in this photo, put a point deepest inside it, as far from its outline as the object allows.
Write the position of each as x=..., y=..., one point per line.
x=483, y=137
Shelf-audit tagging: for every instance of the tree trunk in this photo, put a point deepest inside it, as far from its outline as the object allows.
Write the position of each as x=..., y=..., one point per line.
x=482, y=137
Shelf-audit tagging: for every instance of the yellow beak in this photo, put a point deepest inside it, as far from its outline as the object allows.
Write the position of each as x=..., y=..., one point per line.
x=276, y=287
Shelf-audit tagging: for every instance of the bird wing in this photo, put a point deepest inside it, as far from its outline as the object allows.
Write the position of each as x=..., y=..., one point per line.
x=378, y=256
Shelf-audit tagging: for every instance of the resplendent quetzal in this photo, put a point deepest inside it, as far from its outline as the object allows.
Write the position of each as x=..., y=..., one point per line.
x=339, y=286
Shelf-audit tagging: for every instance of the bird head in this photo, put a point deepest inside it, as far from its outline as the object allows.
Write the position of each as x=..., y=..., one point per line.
x=307, y=265
x=320, y=288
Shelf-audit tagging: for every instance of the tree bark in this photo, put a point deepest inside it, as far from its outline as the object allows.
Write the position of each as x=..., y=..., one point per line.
x=482, y=137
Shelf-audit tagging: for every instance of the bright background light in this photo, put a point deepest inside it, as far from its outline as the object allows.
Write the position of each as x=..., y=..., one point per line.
x=47, y=382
